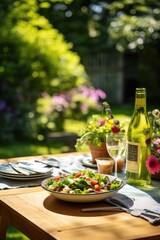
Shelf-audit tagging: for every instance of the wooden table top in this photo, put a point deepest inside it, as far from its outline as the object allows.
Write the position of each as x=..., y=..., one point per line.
x=39, y=215
x=54, y=219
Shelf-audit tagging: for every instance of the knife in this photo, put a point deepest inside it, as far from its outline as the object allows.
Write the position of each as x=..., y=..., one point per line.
x=107, y=209
x=52, y=164
x=34, y=170
x=150, y=216
x=48, y=163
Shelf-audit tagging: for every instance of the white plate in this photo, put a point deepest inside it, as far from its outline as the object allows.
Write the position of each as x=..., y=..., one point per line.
x=24, y=177
x=6, y=171
x=92, y=197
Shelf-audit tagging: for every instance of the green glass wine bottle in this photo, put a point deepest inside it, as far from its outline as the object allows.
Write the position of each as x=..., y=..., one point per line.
x=138, y=136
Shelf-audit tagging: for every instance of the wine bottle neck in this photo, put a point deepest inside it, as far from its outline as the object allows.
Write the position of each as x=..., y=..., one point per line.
x=140, y=99
x=140, y=102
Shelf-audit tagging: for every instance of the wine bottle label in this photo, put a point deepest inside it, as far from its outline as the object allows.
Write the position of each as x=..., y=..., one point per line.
x=133, y=156
x=140, y=102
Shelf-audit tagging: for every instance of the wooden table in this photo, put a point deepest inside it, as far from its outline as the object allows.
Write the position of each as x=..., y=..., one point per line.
x=40, y=216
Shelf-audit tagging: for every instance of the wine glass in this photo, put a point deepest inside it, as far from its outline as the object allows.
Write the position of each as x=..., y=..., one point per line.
x=116, y=144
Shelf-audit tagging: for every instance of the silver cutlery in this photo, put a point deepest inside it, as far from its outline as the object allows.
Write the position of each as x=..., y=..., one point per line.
x=27, y=170
x=107, y=209
x=53, y=164
x=17, y=169
x=34, y=170
x=48, y=163
x=146, y=214
x=151, y=216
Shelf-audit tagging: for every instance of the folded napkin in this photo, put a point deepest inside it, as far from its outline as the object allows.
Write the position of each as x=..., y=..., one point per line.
x=138, y=203
x=12, y=184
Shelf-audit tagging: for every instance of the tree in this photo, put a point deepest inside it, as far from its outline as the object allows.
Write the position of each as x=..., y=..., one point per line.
x=34, y=58
x=97, y=25
x=134, y=23
x=129, y=26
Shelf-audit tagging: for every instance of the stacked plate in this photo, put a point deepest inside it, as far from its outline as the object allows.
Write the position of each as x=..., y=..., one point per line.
x=88, y=163
x=25, y=170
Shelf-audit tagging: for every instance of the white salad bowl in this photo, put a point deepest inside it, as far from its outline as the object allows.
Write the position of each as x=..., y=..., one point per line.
x=89, y=197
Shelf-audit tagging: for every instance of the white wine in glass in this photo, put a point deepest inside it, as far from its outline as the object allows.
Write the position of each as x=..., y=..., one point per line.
x=116, y=145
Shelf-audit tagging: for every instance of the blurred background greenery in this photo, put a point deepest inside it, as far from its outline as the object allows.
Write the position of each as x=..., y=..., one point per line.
x=47, y=48
x=61, y=59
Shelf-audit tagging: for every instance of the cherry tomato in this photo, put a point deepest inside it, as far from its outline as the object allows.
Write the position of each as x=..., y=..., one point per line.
x=77, y=175
x=93, y=182
x=97, y=188
x=88, y=179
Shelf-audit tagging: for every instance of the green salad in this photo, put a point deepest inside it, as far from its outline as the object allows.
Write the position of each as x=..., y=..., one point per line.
x=82, y=182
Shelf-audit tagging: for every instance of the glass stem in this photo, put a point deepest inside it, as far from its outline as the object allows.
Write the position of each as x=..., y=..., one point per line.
x=115, y=173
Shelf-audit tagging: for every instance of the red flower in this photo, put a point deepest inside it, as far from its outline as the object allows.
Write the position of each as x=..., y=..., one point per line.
x=157, y=141
x=152, y=164
x=115, y=129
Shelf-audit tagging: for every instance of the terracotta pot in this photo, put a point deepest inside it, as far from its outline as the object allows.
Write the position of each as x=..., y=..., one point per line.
x=97, y=152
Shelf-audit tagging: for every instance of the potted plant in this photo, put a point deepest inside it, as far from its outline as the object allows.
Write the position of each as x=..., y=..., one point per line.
x=94, y=134
x=153, y=161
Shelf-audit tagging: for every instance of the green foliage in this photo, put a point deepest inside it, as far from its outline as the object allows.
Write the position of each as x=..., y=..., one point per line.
x=13, y=233
x=129, y=26
x=97, y=25
x=34, y=58
x=84, y=23
x=134, y=23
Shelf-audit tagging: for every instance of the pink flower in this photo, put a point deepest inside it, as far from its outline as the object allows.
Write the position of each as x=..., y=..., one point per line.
x=157, y=141
x=152, y=164
x=158, y=150
x=101, y=122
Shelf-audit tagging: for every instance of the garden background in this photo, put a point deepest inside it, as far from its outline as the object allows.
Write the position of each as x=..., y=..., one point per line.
x=61, y=59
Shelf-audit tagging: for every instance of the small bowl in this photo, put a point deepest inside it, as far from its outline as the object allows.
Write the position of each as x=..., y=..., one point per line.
x=105, y=165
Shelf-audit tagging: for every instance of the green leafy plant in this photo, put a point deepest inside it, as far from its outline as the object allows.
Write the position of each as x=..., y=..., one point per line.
x=98, y=126
x=35, y=58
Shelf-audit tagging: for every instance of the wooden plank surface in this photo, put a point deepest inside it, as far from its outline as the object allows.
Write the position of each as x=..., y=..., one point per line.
x=55, y=219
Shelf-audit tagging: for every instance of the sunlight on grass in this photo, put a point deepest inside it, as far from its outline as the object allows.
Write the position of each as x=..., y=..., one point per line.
x=19, y=149
x=74, y=125
x=12, y=233
x=27, y=149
